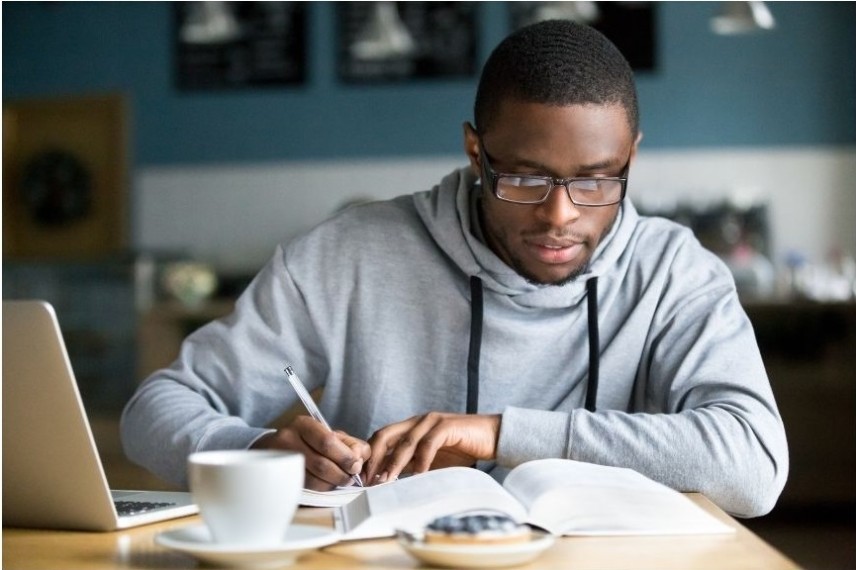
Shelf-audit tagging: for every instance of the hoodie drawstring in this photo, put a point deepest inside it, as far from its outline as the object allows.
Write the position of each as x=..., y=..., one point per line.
x=477, y=319
x=594, y=345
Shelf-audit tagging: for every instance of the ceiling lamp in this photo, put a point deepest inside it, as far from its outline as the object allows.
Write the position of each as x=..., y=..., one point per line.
x=742, y=18
x=210, y=23
x=582, y=12
x=384, y=36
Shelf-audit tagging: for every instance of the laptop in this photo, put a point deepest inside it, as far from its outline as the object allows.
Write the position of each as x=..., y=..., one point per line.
x=52, y=473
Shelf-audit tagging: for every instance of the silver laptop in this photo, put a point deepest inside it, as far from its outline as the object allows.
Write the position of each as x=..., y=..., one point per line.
x=52, y=474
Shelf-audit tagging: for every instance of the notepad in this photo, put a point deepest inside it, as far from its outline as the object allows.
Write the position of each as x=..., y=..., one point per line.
x=337, y=497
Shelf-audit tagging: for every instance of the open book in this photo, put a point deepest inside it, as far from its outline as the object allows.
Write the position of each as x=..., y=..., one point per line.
x=561, y=496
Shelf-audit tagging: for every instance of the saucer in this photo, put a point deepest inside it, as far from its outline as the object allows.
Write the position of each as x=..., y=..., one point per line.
x=477, y=555
x=196, y=540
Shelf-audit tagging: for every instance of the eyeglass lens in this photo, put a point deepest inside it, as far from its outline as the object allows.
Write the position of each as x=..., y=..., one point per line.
x=589, y=191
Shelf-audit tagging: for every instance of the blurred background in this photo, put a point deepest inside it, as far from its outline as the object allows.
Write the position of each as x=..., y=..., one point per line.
x=155, y=153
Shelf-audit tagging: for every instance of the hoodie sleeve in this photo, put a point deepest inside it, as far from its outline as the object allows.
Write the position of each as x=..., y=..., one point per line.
x=703, y=417
x=209, y=398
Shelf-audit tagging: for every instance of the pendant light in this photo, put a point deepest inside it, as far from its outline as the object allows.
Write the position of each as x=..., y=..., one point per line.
x=742, y=18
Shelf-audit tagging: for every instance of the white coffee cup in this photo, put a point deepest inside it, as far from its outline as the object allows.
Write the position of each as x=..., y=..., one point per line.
x=246, y=497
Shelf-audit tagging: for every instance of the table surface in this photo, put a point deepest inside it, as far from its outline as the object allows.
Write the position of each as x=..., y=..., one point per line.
x=135, y=548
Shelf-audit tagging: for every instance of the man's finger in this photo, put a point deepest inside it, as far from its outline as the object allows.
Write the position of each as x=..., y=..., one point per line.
x=408, y=444
x=359, y=447
x=325, y=442
x=323, y=471
x=328, y=458
x=382, y=442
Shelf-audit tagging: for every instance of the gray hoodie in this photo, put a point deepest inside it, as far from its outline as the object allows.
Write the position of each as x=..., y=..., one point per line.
x=375, y=306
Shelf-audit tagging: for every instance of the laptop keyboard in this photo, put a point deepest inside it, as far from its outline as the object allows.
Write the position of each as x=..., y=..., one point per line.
x=125, y=508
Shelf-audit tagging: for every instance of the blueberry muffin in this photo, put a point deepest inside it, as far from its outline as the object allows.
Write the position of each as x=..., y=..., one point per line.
x=476, y=528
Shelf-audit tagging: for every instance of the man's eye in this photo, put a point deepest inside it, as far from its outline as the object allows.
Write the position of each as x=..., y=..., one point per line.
x=587, y=185
x=523, y=181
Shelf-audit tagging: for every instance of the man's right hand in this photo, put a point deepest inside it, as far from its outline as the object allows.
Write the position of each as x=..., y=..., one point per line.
x=332, y=457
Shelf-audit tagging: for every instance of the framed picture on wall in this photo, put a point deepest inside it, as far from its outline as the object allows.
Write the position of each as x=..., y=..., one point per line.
x=400, y=41
x=65, y=177
x=631, y=26
x=223, y=45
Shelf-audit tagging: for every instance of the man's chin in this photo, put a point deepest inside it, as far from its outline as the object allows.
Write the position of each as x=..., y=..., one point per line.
x=555, y=277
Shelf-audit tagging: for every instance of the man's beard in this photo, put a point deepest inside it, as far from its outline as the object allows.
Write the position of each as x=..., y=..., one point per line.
x=560, y=282
x=518, y=265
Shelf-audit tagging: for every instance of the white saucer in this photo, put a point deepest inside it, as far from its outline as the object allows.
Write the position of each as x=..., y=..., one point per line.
x=196, y=540
x=477, y=556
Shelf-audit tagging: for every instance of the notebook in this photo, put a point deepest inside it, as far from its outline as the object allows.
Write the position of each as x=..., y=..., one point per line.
x=52, y=473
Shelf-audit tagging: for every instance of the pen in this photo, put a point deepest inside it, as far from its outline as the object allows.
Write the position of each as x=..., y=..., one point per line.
x=309, y=403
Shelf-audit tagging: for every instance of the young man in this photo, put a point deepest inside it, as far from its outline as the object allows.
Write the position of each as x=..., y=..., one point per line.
x=521, y=309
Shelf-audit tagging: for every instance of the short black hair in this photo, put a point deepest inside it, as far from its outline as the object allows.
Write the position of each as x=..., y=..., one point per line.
x=556, y=62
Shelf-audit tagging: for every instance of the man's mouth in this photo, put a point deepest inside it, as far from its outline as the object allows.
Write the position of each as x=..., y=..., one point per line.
x=554, y=251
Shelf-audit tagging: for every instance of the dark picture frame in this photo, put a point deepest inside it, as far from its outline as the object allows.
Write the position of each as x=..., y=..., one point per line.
x=65, y=177
x=402, y=41
x=230, y=45
x=631, y=26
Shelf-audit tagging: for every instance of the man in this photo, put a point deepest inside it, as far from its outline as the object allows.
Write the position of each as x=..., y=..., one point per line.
x=521, y=309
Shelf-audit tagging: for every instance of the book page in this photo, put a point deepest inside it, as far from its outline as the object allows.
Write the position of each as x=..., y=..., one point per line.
x=574, y=498
x=334, y=498
x=410, y=504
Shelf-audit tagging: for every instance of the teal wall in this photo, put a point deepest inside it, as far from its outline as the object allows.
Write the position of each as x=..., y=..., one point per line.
x=793, y=86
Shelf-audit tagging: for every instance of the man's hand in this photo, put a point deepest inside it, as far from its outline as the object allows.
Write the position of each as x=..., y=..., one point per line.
x=332, y=457
x=431, y=441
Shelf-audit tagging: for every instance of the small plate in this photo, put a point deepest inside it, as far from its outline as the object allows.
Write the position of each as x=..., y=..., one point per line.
x=477, y=556
x=196, y=540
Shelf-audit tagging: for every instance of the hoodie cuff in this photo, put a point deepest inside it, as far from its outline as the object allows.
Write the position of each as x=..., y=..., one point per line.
x=232, y=437
x=526, y=434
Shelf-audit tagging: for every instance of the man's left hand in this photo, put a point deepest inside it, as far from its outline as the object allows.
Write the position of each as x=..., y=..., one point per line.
x=431, y=441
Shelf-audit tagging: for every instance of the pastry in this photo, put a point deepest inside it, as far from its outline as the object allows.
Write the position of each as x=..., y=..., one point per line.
x=476, y=528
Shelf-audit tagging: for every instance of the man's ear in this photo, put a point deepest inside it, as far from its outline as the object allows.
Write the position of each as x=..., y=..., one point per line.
x=635, y=148
x=471, y=148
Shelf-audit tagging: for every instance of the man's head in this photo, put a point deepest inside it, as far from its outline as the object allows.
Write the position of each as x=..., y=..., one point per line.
x=557, y=62
x=556, y=99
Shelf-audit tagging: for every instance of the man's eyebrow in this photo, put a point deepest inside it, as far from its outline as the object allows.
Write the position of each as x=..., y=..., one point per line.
x=613, y=162
x=605, y=164
x=601, y=165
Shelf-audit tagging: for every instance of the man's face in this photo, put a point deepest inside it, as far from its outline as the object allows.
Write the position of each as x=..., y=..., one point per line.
x=552, y=242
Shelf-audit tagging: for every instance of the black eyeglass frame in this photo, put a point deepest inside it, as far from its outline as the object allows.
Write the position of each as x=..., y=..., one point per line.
x=563, y=182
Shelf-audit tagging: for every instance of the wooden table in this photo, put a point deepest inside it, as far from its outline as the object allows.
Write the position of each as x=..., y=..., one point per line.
x=45, y=549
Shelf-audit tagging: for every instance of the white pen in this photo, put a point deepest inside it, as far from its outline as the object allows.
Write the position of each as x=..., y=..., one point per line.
x=310, y=406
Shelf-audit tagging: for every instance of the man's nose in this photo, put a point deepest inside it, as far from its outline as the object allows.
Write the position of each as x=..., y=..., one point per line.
x=558, y=209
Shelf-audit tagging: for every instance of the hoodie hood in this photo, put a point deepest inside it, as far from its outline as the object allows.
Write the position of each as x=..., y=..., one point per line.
x=449, y=213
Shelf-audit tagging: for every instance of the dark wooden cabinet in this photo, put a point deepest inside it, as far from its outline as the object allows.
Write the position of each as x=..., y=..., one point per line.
x=809, y=350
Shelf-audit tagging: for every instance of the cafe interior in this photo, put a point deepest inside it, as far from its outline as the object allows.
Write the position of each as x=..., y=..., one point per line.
x=155, y=153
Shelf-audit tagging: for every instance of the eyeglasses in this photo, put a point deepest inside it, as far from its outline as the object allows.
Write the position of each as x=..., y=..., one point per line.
x=533, y=189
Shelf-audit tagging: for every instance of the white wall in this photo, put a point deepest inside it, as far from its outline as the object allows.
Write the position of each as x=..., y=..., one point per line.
x=810, y=192
x=233, y=216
